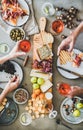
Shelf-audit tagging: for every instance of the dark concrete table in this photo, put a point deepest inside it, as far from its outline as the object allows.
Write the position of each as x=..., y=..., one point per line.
x=47, y=124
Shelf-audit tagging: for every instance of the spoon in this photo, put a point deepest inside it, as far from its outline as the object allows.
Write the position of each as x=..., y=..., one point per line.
x=58, y=121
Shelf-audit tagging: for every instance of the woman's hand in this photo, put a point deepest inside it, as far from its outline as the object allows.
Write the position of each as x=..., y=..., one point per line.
x=11, y=85
x=75, y=91
x=15, y=52
x=70, y=40
x=67, y=43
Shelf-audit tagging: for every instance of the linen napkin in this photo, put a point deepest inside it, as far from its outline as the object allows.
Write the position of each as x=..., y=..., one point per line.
x=31, y=26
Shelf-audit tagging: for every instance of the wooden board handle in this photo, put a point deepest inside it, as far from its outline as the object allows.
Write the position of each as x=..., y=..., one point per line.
x=42, y=24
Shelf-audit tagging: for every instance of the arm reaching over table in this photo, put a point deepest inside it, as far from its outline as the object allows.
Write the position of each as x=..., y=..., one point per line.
x=75, y=91
x=15, y=52
x=69, y=42
x=11, y=85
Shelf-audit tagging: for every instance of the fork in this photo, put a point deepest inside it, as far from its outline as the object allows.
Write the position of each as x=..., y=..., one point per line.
x=6, y=106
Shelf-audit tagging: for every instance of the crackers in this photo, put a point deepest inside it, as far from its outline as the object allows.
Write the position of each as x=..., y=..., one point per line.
x=65, y=57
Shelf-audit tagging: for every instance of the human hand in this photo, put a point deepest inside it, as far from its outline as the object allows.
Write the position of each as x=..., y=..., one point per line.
x=75, y=91
x=12, y=84
x=15, y=52
x=67, y=44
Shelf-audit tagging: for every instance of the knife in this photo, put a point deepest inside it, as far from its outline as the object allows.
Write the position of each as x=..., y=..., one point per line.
x=69, y=71
x=3, y=81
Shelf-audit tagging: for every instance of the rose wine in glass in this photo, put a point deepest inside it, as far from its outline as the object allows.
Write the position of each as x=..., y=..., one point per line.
x=63, y=88
x=57, y=26
x=25, y=45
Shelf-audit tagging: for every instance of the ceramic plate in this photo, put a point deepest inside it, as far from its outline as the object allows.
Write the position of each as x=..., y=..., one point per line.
x=21, y=20
x=10, y=113
x=5, y=77
x=70, y=118
x=70, y=67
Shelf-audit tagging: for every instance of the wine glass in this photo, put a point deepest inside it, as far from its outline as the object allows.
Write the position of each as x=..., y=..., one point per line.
x=25, y=45
x=63, y=88
x=57, y=27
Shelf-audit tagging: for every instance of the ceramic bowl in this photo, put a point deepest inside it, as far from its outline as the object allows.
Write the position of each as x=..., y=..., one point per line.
x=21, y=96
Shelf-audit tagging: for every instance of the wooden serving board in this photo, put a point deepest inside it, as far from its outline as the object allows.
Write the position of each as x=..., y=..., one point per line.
x=40, y=105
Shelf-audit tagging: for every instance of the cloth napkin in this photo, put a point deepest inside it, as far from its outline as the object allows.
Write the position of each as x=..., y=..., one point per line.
x=30, y=27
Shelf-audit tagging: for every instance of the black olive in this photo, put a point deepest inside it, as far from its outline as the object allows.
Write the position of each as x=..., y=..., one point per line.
x=66, y=109
x=81, y=101
x=64, y=105
x=78, y=20
x=63, y=36
x=58, y=17
x=69, y=18
x=62, y=9
x=67, y=113
x=72, y=110
x=57, y=9
x=65, y=21
x=70, y=27
x=72, y=8
x=70, y=11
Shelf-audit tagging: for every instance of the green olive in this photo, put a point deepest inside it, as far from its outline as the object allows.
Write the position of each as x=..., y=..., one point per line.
x=16, y=34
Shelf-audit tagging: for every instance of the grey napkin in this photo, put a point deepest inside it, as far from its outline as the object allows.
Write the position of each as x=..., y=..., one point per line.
x=31, y=26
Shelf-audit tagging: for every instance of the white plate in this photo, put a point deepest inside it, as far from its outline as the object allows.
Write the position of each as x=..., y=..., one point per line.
x=69, y=66
x=70, y=118
x=21, y=20
x=6, y=77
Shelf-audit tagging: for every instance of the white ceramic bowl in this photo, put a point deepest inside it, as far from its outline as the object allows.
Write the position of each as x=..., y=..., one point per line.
x=21, y=96
x=25, y=119
x=48, y=9
x=53, y=114
x=4, y=48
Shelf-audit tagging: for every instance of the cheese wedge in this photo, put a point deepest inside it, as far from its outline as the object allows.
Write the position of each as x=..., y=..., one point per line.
x=40, y=74
x=46, y=86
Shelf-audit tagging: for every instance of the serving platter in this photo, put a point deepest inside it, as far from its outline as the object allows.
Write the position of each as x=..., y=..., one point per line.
x=70, y=118
x=21, y=20
x=70, y=67
x=5, y=77
x=10, y=113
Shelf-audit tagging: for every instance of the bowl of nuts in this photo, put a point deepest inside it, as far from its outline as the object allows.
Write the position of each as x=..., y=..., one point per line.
x=21, y=96
x=17, y=34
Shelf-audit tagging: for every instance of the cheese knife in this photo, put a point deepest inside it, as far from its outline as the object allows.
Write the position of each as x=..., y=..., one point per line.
x=69, y=71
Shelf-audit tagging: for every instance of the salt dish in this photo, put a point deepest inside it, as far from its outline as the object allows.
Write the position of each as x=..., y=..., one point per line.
x=25, y=119
x=48, y=9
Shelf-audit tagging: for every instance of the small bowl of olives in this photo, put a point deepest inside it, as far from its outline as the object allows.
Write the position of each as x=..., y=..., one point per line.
x=17, y=34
